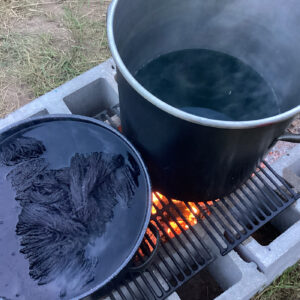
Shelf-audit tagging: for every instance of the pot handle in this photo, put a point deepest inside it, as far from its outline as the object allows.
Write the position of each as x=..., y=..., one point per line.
x=290, y=137
x=144, y=265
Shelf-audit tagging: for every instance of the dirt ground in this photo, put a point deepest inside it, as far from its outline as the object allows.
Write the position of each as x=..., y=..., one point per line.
x=44, y=43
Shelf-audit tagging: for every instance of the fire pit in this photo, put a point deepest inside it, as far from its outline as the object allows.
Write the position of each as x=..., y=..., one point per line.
x=194, y=234
x=184, y=254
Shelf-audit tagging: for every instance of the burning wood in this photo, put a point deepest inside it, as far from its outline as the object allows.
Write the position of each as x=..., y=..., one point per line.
x=180, y=216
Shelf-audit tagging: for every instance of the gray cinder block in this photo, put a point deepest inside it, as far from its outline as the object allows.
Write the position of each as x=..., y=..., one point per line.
x=239, y=279
x=280, y=254
x=88, y=94
x=291, y=173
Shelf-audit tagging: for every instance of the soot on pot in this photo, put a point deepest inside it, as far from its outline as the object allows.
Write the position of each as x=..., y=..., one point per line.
x=64, y=210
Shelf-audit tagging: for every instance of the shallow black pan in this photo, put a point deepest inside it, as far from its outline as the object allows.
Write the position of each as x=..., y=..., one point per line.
x=23, y=271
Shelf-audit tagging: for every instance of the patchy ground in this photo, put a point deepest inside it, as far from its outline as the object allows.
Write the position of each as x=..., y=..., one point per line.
x=44, y=43
x=286, y=287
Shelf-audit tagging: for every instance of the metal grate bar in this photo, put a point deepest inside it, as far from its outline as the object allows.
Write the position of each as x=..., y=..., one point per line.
x=235, y=216
x=227, y=222
x=157, y=267
x=262, y=205
x=259, y=210
x=174, y=248
x=213, y=225
x=169, y=269
x=282, y=181
x=191, y=228
x=278, y=200
x=250, y=217
x=177, y=237
x=272, y=202
x=147, y=283
x=206, y=229
x=183, y=231
x=121, y=293
x=228, y=219
x=132, y=294
x=112, y=296
x=286, y=196
x=228, y=231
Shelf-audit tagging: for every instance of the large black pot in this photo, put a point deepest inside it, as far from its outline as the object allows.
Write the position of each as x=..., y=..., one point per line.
x=190, y=157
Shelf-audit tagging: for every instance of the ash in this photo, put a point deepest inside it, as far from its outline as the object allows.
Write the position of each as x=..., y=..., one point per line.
x=64, y=210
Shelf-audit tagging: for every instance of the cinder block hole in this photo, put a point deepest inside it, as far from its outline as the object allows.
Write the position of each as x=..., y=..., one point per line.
x=203, y=286
x=266, y=234
x=92, y=99
x=40, y=113
x=288, y=217
x=242, y=255
x=225, y=271
x=271, y=230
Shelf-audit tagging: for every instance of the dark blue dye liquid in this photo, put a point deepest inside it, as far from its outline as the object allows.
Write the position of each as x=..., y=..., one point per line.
x=209, y=84
x=62, y=140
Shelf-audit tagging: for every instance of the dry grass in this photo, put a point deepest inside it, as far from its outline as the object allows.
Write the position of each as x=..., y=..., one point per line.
x=286, y=287
x=45, y=43
x=6, y=105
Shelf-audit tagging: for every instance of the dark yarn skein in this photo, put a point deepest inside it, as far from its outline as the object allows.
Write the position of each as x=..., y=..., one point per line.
x=64, y=210
x=21, y=149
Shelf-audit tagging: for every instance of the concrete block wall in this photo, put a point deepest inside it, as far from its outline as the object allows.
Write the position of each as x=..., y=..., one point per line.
x=284, y=251
x=240, y=280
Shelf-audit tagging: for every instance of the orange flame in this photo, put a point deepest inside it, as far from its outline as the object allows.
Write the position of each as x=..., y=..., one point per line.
x=262, y=165
x=179, y=216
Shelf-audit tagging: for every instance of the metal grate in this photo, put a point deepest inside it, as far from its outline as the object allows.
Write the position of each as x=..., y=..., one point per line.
x=192, y=233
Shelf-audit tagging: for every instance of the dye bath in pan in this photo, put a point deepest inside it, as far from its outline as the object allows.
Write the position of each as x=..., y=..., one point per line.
x=67, y=190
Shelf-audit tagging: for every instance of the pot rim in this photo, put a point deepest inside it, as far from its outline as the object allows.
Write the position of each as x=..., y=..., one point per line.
x=171, y=109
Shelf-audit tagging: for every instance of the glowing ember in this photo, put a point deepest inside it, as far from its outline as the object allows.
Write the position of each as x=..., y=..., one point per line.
x=149, y=243
x=179, y=216
x=262, y=165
